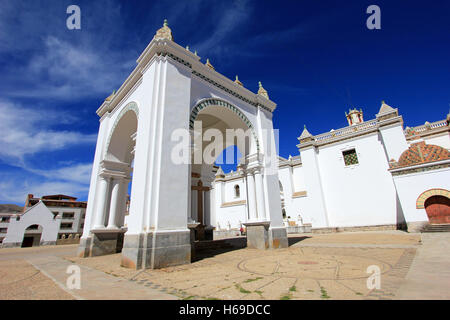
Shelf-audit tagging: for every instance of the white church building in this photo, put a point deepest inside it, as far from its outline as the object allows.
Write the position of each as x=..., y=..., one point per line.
x=371, y=174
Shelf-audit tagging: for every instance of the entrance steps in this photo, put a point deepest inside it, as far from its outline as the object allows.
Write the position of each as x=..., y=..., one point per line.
x=437, y=228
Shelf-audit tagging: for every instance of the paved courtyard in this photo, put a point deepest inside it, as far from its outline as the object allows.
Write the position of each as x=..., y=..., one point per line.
x=315, y=266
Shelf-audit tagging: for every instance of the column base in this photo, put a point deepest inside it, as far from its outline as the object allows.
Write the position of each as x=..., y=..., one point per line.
x=260, y=236
x=101, y=242
x=278, y=238
x=157, y=249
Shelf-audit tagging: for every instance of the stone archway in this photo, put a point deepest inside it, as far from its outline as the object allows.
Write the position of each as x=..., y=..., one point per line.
x=436, y=202
x=438, y=209
x=219, y=118
x=32, y=236
x=114, y=175
x=171, y=86
x=216, y=125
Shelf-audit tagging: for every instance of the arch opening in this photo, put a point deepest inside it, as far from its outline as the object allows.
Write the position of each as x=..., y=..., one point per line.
x=32, y=236
x=224, y=137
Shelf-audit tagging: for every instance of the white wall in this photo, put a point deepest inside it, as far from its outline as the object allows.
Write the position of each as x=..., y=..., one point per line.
x=442, y=140
x=38, y=214
x=411, y=186
x=361, y=194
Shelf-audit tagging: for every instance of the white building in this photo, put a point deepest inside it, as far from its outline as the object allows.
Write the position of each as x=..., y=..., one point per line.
x=52, y=219
x=367, y=176
x=354, y=177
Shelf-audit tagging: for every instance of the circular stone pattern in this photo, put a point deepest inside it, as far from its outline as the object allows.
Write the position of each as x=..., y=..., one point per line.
x=312, y=266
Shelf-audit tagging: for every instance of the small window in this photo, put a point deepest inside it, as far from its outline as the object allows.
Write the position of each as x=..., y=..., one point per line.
x=68, y=215
x=5, y=219
x=350, y=157
x=237, y=191
x=66, y=225
x=3, y=230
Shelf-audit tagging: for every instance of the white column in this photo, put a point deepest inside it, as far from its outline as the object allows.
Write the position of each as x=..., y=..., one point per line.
x=260, y=200
x=115, y=205
x=253, y=215
x=101, y=202
x=122, y=208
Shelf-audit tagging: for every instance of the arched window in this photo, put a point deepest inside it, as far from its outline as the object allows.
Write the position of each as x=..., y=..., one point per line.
x=237, y=191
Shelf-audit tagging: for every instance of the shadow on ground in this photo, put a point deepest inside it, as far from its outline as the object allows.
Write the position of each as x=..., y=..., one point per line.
x=211, y=248
x=294, y=240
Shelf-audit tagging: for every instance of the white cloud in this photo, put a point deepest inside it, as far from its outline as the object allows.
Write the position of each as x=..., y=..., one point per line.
x=79, y=173
x=15, y=190
x=26, y=131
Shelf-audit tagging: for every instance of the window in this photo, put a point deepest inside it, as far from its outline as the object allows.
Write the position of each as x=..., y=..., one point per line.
x=68, y=215
x=3, y=230
x=350, y=157
x=237, y=191
x=66, y=225
x=5, y=219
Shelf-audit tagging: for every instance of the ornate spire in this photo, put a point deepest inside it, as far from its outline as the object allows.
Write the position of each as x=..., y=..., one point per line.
x=262, y=91
x=305, y=135
x=208, y=64
x=386, y=112
x=237, y=81
x=385, y=108
x=164, y=32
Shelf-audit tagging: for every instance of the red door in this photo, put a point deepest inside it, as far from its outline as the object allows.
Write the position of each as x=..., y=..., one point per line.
x=438, y=209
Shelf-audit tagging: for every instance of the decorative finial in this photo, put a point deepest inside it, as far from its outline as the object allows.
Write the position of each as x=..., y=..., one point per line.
x=262, y=91
x=209, y=64
x=164, y=32
x=237, y=81
x=383, y=102
x=195, y=53
x=187, y=48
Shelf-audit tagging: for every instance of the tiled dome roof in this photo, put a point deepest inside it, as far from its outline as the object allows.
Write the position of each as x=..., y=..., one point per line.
x=421, y=153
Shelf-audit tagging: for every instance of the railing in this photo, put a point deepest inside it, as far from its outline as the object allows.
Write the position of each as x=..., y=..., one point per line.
x=428, y=126
x=345, y=131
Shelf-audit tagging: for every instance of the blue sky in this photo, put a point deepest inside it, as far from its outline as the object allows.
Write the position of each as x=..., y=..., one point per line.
x=316, y=59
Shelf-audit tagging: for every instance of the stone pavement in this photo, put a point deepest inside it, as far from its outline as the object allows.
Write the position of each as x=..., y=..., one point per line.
x=40, y=273
x=330, y=266
x=429, y=274
x=315, y=266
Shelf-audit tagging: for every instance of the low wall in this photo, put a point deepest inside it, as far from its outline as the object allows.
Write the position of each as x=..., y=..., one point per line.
x=354, y=229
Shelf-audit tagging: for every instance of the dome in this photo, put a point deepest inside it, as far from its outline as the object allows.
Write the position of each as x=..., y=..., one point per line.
x=421, y=153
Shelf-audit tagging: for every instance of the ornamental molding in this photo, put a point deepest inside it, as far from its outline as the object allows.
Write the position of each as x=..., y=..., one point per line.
x=170, y=49
x=209, y=102
x=420, y=203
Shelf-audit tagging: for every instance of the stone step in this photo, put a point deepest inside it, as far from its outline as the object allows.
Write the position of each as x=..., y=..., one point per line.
x=437, y=228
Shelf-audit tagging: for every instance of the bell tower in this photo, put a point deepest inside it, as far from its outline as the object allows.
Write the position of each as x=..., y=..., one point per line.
x=354, y=116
